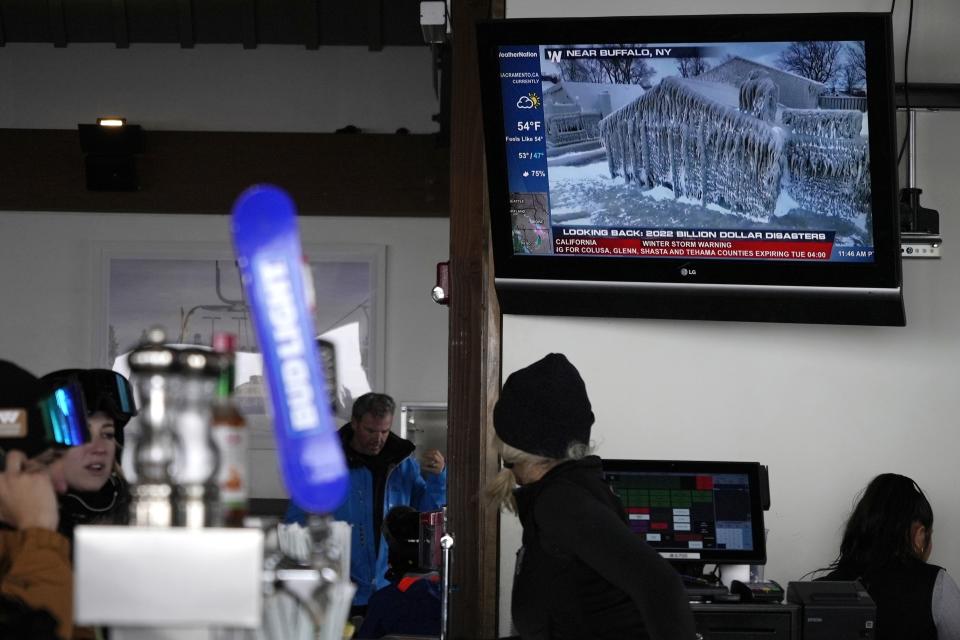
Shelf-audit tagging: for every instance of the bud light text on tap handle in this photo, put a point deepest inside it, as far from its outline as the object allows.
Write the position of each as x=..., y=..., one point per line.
x=269, y=254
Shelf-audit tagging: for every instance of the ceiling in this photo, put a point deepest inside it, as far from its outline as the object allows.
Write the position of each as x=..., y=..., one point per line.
x=310, y=23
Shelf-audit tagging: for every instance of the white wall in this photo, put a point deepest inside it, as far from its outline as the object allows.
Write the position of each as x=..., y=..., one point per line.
x=48, y=275
x=218, y=87
x=826, y=407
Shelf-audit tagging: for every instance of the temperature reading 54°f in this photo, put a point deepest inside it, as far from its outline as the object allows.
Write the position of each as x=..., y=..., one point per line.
x=528, y=125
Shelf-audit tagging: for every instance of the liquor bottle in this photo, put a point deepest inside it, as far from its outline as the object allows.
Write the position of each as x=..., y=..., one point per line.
x=230, y=433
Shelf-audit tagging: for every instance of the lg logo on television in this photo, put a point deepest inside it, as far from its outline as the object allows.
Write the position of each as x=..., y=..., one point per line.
x=688, y=272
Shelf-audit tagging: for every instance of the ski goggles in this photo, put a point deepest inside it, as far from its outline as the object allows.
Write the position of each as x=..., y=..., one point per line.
x=64, y=416
x=103, y=390
x=40, y=419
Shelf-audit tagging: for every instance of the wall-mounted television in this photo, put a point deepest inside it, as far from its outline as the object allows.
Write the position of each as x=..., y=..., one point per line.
x=707, y=167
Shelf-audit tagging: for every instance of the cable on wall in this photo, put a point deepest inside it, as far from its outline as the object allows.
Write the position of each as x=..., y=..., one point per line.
x=906, y=84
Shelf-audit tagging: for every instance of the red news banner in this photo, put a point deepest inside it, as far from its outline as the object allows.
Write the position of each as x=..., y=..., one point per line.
x=777, y=245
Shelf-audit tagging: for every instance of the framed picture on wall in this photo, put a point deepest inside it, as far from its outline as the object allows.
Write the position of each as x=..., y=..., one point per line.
x=193, y=290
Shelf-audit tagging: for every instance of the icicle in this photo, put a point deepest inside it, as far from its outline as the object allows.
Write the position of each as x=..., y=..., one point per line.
x=645, y=152
x=759, y=96
x=704, y=162
x=630, y=162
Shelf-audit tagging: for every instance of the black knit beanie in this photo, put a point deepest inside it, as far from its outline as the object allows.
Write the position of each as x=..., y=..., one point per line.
x=544, y=408
x=21, y=425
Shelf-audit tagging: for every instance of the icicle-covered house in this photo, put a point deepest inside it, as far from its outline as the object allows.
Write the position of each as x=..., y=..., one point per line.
x=730, y=141
x=796, y=91
x=572, y=110
x=566, y=120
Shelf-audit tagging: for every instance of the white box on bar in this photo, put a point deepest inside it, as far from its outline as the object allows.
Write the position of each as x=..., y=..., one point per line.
x=143, y=577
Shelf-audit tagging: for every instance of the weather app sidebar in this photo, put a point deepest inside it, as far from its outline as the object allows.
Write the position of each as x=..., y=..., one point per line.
x=526, y=148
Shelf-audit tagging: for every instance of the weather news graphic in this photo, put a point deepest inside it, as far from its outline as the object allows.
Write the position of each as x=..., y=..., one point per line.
x=726, y=151
x=694, y=243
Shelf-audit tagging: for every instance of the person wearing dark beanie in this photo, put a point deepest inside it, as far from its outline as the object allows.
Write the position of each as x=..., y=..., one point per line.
x=544, y=408
x=36, y=581
x=581, y=572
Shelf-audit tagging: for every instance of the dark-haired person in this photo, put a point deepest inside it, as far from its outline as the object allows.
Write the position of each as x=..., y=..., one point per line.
x=410, y=604
x=581, y=573
x=96, y=489
x=886, y=545
x=36, y=581
x=383, y=474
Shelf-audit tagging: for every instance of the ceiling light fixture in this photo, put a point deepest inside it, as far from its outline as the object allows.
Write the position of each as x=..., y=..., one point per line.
x=111, y=122
x=110, y=148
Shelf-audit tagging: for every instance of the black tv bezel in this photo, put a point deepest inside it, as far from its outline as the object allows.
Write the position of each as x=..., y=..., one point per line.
x=757, y=555
x=735, y=289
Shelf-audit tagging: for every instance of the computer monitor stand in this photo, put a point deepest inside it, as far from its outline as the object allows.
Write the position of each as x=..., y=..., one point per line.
x=731, y=572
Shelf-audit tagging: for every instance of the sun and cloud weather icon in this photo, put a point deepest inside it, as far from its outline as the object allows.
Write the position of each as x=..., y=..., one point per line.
x=529, y=101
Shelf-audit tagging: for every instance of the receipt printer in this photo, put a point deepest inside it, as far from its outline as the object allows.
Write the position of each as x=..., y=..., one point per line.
x=839, y=610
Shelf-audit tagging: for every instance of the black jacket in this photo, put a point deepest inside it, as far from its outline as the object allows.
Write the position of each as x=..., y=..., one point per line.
x=109, y=505
x=582, y=574
x=903, y=593
x=395, y=449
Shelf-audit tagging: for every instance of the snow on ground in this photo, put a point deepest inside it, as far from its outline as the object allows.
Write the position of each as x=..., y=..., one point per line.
x=577, y=158
x=785, y=204
x=713, y=206
x=581, y=172
x=665, y=193
x=861, y=221
x=587, y=196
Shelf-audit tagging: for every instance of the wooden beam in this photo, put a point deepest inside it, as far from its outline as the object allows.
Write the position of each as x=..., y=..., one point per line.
x=311, y=23
x=57, y=23
x=248, y=23
x=375, y=25
x=121, y=31
x=188, y=37
x=202, y=172
x=474, y=351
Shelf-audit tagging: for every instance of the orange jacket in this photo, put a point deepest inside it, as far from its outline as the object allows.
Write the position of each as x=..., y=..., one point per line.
x=35, y=568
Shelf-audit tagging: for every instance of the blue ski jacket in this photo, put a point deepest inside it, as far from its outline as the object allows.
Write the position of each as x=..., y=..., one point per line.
x=405, y=486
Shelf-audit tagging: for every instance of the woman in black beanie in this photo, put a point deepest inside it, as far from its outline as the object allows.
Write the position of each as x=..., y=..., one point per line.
x=581, y=573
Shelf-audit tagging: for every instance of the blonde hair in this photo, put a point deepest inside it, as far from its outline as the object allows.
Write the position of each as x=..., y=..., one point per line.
x=499, y=491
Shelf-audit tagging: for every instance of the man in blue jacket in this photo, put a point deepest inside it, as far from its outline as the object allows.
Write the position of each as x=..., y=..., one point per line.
x=383, y=474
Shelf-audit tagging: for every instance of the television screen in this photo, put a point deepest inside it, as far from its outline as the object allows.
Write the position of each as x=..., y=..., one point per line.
x=754, y=150
x=723, y=150
x=700, y=512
